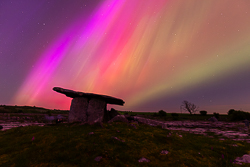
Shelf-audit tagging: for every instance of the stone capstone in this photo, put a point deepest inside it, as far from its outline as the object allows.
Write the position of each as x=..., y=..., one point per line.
x=73, y=94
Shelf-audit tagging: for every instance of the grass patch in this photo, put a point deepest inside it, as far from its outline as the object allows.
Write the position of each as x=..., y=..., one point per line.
x=71, y=145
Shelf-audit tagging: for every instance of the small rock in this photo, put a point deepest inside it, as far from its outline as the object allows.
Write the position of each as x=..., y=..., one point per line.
x=117, y=139
x=91, y=133
x=164, y=152
x=143, y=160
x=98, y=158
x=213, y=119
x=244, y=159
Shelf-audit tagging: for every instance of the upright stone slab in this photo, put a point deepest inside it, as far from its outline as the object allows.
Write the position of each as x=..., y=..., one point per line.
x=88, y=107
x=78, y=110
x=96, y=109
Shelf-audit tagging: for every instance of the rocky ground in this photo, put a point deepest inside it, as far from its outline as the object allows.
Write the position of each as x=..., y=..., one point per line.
x=224, y=130
x=219, y=129
x=232, y=130
x=8, y=121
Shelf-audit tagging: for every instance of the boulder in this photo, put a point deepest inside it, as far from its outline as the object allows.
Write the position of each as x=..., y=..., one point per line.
x=244, y=159
x=129, y=118
x=119, y=118
x=108, y=115
x=246, y=123
x=213, y=119
x=143, y=160
x=113, y=113
x=1, y=127
x=164, y=152
x=98, y=158
x=49, y=118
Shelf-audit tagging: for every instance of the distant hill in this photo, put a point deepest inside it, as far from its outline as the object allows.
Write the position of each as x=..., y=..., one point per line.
x=28, y=109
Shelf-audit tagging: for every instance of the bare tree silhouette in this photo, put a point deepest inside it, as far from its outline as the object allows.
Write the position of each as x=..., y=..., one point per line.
x=189, y=107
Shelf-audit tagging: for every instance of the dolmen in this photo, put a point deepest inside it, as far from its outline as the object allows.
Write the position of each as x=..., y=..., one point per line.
x=89, y=107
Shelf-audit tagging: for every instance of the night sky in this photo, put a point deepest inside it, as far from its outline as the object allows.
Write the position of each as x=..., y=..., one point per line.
x=153, y=54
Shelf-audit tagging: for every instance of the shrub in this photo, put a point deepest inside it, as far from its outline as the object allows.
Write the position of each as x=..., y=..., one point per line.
x=175, y=116
x=239, y=115
x=203, y=112
x=162, y=113
x=20, y=111
x=216, y=115
x=230, y=111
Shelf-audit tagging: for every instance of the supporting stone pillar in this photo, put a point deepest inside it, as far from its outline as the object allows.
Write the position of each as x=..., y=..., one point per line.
x=96, y=110
x=78, y=110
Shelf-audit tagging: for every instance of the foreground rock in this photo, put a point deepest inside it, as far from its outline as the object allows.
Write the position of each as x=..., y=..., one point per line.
x=244, y=159
x=119, y=118
x=88, y=107
x=98, y=158
x=143, y=160
x=213, y=119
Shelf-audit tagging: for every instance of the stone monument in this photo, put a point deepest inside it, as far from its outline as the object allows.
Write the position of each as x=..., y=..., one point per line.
x=88, y=107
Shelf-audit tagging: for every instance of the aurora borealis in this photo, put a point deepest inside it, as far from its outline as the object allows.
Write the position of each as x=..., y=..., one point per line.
x=152, y=54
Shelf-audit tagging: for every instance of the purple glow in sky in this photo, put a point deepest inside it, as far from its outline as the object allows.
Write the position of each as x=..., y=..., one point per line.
x=152, y=54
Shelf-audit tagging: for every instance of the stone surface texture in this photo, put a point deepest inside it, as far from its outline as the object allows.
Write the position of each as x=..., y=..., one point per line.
x=78, y=110
x=95, y=111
